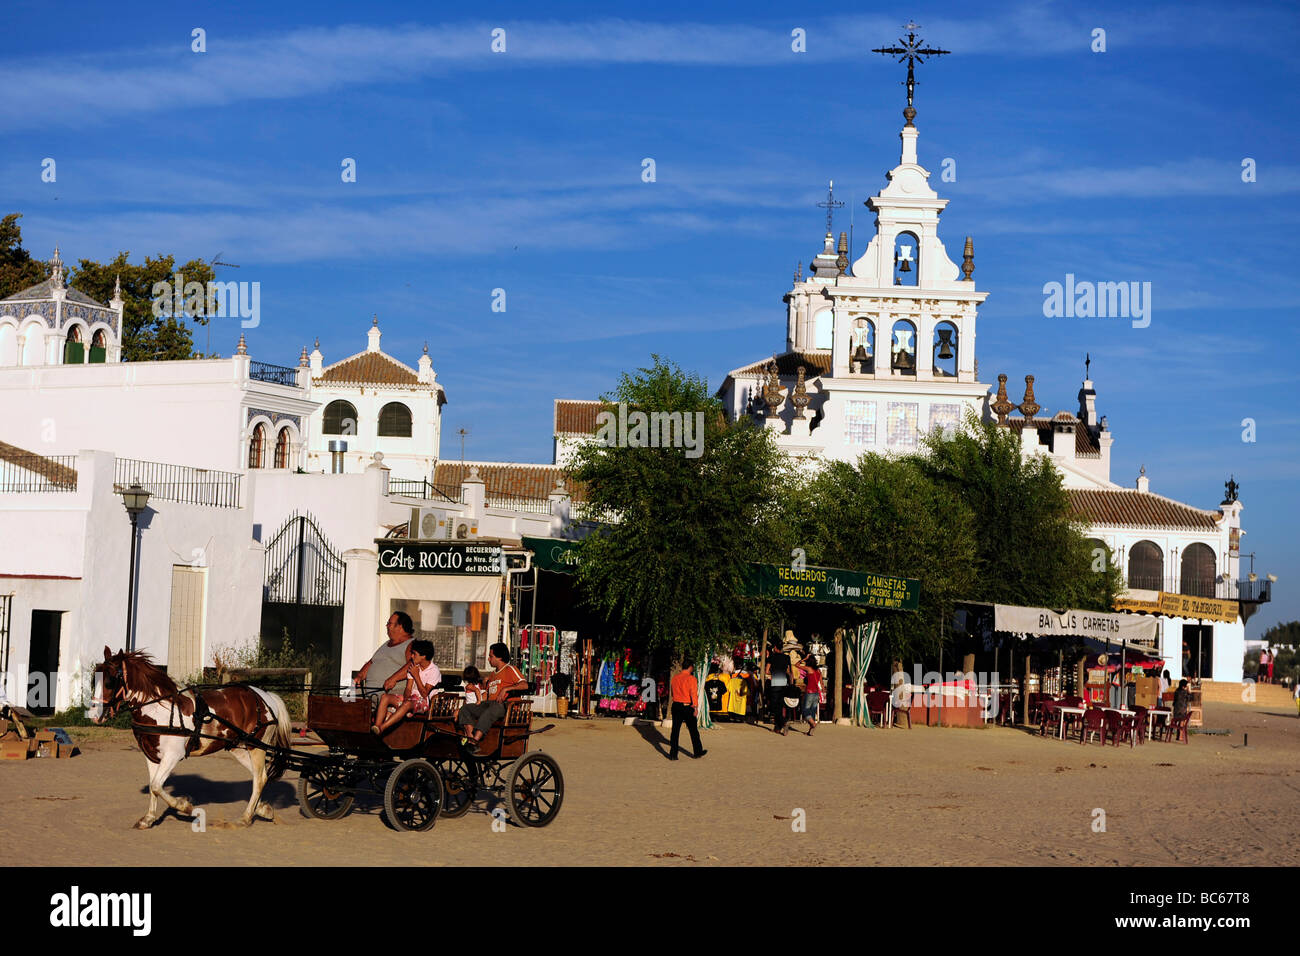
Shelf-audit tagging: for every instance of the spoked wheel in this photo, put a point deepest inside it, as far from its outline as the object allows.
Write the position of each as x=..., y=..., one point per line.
x=413, y=796
x=457, y=787
x=321, y=795
x=534, y=790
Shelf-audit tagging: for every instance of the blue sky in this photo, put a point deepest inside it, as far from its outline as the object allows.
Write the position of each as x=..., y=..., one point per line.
x=522, y=171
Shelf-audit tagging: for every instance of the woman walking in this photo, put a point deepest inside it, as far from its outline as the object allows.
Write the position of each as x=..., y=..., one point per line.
x=812, y=695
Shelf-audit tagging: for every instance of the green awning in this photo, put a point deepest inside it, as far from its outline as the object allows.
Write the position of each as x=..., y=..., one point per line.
x=553, y=554
x=833, y=585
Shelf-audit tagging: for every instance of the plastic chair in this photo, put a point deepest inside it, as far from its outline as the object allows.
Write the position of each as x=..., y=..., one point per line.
x=1140, y=719
x=1046, y=715
x=1094, y=722
x=877, y=704
x=1178, y=729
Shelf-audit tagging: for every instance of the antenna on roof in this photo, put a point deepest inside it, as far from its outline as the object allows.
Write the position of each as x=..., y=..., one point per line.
x=463, y=432
x=213, y=263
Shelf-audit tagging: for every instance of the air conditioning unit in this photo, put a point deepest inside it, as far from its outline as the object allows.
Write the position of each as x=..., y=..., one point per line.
x=429, y=524
x=464, y=527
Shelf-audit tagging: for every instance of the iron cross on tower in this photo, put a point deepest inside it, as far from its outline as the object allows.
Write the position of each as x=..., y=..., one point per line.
x=911, y=51
x=830, y=205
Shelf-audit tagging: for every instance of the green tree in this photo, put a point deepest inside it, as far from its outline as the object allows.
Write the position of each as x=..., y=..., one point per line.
x=146, y=336
x=18, y=270
x=885, y=515
x=665, y=568
x=1030, y=550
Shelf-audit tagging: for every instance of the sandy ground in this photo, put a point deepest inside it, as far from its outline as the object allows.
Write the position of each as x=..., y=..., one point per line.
x=928, y=796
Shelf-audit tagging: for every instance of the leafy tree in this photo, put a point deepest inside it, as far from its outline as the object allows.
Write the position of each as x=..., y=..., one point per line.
x=146, y=336
x=18, y=270
x=666, y=567
x=885, y=515
x=1030, y=550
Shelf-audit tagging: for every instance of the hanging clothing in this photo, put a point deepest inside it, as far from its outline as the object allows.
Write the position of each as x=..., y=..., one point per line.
x=737, y=695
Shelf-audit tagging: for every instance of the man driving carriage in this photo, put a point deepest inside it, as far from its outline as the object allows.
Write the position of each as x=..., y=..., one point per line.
x=389, y=657
x=475, y=720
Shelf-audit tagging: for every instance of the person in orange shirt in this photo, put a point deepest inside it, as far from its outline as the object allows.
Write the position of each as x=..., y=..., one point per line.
x=685, y=693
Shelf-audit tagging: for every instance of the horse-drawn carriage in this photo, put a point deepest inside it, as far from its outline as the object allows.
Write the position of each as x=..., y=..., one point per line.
x=422, y=766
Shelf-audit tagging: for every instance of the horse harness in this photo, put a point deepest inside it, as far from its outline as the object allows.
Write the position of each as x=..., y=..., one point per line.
x=202, y=716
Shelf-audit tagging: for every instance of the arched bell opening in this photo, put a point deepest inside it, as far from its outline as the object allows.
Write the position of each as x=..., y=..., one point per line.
x=944, y=350
x=862, y=345
x=903, y=348
x=824, y=329
x=907, y=259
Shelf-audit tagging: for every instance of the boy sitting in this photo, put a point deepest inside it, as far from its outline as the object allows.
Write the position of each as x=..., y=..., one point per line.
x=477, y=719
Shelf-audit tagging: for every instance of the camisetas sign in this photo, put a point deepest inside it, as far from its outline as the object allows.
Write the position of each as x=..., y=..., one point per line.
x=439, y=558
x=832, y=585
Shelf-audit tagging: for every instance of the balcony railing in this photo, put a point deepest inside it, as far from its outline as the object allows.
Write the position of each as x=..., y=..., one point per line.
x=38, y=473
x=193, y=486
x=425, y=489
x=1244, y=590
x=509, y=502
x=275, y=374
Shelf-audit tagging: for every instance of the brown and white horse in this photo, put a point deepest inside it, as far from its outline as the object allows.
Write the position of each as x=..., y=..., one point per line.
x=132, y=680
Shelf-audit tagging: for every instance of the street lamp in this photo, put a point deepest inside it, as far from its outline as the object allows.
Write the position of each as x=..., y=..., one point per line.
x=135, y=498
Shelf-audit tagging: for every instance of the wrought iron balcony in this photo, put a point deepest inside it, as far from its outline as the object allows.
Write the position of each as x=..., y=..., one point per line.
x=275, y=374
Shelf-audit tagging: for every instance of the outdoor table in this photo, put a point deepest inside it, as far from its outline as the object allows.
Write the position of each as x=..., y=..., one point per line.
x=1067, y=710
x=1151, y=718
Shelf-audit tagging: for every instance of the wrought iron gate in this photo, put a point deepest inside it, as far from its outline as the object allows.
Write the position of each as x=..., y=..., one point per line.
x=302, y=596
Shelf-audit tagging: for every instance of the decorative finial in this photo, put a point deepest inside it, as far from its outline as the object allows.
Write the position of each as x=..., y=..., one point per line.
x=426, y=348
x=798, y=272
x=1001, y=405
x=830, y=205
x=1142, y=471
x=1232, y=487
x=842, y=261
x=968, y=261
x=303, y=361
x=117, y=286
x=374, y=324
x=799, y=395
x=772, y=391
x=56, y=267
x=243, y=347
x=911, y=51
x=1029, y=408
x=1087, y=365
x=317, y=345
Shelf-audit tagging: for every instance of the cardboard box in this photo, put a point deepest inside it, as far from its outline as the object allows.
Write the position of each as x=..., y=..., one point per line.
x=44, y=748
x=64, y=751
x=16, y=749
x=43, y=735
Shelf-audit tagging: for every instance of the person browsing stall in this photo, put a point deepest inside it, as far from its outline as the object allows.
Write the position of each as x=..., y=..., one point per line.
x=476, y=720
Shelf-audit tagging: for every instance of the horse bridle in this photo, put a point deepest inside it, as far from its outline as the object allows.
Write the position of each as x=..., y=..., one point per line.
x=114, y=703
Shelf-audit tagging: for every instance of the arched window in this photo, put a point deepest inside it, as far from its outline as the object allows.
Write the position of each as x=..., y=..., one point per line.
x=282, y=448
x=8, y=345
x=34, y=346
x=824, y=329
x=903, y=348
x=1146, y=567
x=98, y=346
x=862, y=344
x=944, y=350
x=340, y=418
x=394, y=421
x=256, y=446
x=907, y=259
x=1198, y=571
x=74, y=350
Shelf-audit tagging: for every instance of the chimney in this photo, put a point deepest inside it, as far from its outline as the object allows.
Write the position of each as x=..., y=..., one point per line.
x=1143, y=482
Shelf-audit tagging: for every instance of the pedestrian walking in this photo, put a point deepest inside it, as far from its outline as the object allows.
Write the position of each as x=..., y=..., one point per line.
x=812, y=694
x=685, y=694
x=779, y=682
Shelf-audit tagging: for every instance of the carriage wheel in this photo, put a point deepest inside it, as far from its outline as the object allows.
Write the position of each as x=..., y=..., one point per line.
x=321, y=796
x=534, y=790
x=413, y=796
x=457, y=786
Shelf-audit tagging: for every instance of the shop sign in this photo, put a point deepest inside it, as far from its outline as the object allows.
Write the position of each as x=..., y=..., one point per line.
x=1199, y=608
x=408, y=558
x=1098, y=625
x=832, y=585
x=552, y=554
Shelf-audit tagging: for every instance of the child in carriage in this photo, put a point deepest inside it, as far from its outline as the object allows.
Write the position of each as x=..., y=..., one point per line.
x=422, y=679
x=475, y=692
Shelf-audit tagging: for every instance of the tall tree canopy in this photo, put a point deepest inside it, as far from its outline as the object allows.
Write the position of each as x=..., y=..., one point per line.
x=666, y=566
x=145, y=336
x=1029, y=549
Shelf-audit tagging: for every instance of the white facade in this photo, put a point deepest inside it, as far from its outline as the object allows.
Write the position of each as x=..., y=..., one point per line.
x=352, y=396
x=38, y=324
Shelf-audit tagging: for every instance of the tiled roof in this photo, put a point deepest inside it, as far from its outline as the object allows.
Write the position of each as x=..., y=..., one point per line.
x=576, y=417
x=815, y=363
x=1138, y=509
x=45, y=290
x=1085, y=446
x=370, y=368
x=527, y=481
x=52, y=471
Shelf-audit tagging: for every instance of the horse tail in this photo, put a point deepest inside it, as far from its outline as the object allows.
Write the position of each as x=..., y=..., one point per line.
x=281, y=734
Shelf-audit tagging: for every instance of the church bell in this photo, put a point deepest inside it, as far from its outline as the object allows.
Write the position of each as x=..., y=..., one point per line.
x=945, y=343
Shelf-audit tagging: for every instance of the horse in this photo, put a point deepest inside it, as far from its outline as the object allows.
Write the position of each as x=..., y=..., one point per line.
x=130, y=679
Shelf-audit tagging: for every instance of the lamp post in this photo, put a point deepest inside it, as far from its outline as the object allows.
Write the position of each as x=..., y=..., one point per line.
x=135, y=498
